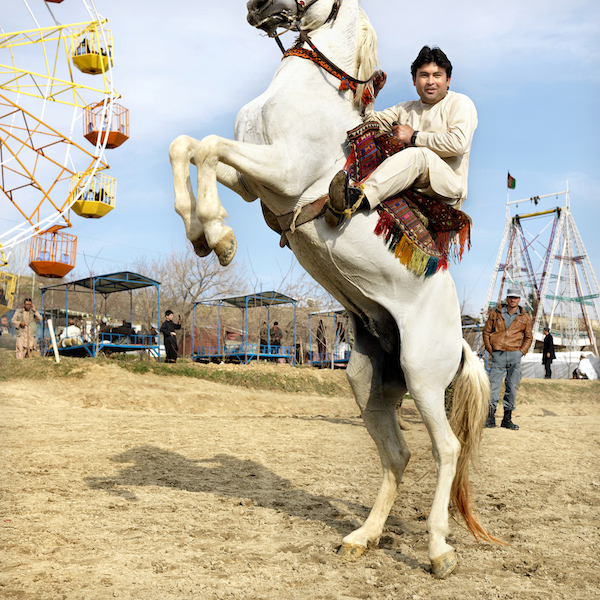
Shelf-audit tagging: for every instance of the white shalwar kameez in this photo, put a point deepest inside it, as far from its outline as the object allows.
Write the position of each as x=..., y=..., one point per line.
x=438, y=165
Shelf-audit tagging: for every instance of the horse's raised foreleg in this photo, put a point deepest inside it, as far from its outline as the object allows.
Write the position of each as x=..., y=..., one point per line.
x=181, y=153
x=378, y=385
x=263, y=164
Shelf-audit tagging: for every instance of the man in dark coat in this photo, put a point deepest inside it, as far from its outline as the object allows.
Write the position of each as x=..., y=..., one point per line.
x=168, y=329
x=548, y=354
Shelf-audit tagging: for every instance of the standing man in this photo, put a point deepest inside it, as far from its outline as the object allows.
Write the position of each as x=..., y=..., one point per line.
x=276, y=337
x=548, y=354
x=25, y=321
x=263, y=334
x=507, y=336
x=321, y=341
x=168, y=329
x=437, y=130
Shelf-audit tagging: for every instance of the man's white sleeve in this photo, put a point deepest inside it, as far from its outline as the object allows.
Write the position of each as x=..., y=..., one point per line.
x=385, y=118
x=462, y=122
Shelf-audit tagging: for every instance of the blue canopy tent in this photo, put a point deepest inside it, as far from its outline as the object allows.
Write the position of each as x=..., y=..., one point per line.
x=244, y=351
x=337, y=352
x=125, y=281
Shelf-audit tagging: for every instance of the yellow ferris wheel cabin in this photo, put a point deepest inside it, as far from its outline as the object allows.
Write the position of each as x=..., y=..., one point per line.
x=92, y=49
x=97, y=200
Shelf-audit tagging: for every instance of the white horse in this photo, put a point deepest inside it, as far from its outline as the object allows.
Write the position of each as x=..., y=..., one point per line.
x=290, y=142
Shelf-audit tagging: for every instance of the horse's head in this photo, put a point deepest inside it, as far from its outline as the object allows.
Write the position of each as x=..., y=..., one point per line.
x=268, y=15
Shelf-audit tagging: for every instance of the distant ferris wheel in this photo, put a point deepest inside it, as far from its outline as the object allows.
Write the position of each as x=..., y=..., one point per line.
x=58, y=115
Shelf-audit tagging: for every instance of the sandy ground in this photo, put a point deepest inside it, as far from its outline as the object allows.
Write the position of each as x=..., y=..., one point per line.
x=155, y=488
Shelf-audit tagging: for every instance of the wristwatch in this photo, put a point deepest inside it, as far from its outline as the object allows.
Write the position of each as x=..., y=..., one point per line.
x=413, y=138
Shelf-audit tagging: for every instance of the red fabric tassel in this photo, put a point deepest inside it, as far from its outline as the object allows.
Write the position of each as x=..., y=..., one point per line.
x=385, y=224
x=367, y=96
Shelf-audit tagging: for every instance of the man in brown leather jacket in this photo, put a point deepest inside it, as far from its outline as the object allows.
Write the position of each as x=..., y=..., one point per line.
x=507, y=336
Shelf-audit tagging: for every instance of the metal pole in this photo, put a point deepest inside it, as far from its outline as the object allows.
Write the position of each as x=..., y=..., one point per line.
x=193, y=329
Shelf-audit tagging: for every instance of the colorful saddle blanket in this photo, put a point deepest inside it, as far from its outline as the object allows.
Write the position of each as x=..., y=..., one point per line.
x=420, y=231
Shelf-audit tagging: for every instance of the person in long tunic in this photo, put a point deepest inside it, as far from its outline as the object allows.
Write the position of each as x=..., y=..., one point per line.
x=548, y=354
x=25, y=321
x=168, y=329
x=321, y=341
x=437, y=130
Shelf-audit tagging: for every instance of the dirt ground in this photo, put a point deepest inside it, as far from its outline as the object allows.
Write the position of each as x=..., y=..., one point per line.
x=148, y=487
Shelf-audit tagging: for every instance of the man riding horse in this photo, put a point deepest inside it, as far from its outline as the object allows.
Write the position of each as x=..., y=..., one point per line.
x=437, y=131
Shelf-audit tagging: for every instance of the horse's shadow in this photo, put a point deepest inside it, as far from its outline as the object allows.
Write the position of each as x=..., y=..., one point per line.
x=223, y=475
x=228, y=476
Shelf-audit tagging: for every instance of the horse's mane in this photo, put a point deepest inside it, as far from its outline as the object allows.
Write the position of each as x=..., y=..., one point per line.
x=367, y=60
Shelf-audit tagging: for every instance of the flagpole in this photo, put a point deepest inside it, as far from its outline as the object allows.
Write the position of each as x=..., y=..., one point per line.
x=507, y=198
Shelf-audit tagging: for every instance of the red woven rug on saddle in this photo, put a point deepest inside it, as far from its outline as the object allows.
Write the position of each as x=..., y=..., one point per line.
x=420, y=231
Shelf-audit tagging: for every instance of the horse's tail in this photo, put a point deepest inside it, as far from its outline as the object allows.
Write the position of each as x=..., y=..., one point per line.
x=467, y=417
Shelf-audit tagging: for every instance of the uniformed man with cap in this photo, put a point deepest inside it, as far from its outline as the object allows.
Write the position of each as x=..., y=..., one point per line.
x=507, y=336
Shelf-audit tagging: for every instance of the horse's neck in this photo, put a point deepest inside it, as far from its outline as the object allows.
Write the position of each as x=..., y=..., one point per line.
x=304, y=112
x=339, y=41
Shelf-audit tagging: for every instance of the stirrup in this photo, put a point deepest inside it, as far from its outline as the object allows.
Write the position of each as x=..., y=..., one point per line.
x=344, y=199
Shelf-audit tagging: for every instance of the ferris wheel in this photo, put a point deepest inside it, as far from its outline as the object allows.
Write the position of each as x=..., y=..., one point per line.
x=58, y=116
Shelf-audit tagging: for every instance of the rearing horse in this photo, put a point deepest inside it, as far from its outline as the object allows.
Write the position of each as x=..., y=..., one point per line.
x=290, y=141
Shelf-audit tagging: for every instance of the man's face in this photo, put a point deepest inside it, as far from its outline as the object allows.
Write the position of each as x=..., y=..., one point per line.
x=169, y=317
x=431, y=83
x=513, y=301
x=27, y=304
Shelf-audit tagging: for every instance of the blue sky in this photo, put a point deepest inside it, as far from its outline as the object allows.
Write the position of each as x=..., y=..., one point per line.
x=531, y=68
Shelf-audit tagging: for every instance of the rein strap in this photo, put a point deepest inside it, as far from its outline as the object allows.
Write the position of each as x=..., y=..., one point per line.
x=316, y=56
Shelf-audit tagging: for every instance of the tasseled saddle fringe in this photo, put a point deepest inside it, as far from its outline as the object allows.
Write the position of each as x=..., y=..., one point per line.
x=416, y=260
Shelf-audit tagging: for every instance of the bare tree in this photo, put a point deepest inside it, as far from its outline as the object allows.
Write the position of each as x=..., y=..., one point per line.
x=186, y=279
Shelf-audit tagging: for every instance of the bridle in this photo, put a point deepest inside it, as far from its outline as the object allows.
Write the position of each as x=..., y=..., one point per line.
x=347, y=80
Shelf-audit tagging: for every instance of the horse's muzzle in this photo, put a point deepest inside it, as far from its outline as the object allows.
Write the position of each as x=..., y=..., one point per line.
x=268, y=15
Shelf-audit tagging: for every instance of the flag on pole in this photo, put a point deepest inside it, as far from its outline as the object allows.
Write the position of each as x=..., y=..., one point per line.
x=511, y=182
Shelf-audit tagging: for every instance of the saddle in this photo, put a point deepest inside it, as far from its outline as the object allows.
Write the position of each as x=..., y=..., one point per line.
x=420, y=231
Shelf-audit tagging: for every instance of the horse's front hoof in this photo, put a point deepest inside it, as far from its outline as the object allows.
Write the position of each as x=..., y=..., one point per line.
x=226, y=248
x=351, y=551
x=201, y=247
x=444, y=565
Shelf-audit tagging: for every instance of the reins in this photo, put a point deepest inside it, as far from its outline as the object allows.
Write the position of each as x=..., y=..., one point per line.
x=345, y=76
x=316, y=56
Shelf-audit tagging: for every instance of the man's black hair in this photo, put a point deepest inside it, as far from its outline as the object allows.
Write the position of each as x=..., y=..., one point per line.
x=431, y=55
x=168, y=312
x=27, y=300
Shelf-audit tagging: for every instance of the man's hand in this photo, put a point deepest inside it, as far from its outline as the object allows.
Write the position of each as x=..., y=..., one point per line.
x=403, y=133
x=379, y=80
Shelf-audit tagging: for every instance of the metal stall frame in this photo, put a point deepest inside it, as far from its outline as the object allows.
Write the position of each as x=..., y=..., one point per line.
x=329, y=359
x=245, y=352
x=124, y=281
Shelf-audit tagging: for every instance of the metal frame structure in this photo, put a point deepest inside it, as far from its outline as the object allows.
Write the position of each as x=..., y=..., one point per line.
x=562, y=292
x=245, y=351
x=338, y=356
x=37, y=70
x=124, y=281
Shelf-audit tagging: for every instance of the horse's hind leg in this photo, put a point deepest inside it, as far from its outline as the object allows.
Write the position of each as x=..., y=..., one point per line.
x=378, y=385
x=427, y=387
